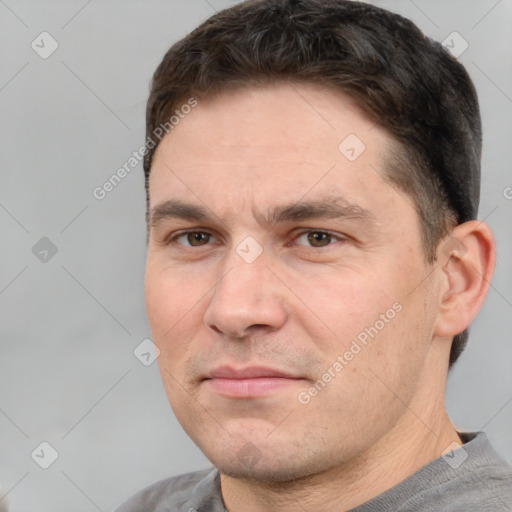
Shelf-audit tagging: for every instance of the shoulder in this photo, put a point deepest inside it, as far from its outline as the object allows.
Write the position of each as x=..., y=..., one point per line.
x=182, y=493
x=472, y=478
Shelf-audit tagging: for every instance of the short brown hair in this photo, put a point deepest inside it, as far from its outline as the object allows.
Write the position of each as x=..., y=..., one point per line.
x=405, y=81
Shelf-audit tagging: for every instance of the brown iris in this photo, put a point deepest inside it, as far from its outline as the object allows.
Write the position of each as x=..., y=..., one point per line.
x=319, y=239
x=197, y=238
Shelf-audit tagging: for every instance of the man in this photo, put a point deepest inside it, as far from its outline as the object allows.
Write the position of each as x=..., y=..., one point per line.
x=314, y=262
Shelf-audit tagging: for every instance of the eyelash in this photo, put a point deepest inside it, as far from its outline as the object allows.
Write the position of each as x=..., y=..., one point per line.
x=338, y=238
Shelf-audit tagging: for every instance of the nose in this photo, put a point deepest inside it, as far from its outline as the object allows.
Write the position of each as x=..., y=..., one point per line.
x=248, y=298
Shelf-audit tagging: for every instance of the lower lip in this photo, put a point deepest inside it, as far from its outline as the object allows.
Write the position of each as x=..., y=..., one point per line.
x=249, y=388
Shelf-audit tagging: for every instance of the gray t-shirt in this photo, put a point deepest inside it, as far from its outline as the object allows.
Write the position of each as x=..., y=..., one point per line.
x=472, y=478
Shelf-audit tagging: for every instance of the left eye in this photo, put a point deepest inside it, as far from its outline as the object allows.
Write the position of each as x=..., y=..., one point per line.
x=317, y=238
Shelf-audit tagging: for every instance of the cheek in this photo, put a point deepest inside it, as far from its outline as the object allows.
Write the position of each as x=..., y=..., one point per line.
x=369, y=314
x=173, y=303
x=169, y=291
x=174, y=313
x=342, y=303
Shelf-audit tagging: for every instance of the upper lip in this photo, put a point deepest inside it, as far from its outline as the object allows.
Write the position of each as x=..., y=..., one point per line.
x=250, y=372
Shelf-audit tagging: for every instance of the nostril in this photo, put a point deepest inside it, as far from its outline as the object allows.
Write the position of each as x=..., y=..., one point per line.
x=215, y=328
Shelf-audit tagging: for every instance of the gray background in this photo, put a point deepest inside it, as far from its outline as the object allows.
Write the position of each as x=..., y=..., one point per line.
x=69, y=325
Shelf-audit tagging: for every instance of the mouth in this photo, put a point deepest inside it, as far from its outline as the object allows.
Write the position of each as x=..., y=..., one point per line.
x=250, y=382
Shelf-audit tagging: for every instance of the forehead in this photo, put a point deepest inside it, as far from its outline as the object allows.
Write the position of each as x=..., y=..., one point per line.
x=260, y=112
x=270, y=143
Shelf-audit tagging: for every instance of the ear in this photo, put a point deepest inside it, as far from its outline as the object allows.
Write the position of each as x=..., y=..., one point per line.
x=467, y=257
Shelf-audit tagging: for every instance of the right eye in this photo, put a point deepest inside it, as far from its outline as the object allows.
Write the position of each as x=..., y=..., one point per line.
x=191, y=238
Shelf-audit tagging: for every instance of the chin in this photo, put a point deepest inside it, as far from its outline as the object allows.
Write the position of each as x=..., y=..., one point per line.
x=270, y=465
x=264, y=473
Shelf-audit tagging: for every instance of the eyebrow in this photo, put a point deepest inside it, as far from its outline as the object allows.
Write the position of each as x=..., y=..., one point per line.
x=328, y=208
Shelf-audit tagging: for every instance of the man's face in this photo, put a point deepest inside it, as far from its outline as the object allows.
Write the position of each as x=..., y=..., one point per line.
x=294, y=255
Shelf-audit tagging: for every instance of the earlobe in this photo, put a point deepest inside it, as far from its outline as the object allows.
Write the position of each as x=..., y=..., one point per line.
x=467, y=257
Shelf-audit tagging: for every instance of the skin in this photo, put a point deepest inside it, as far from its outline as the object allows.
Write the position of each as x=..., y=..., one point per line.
x=301, y=303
